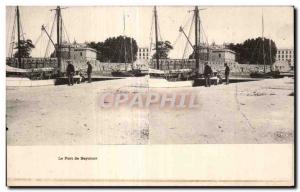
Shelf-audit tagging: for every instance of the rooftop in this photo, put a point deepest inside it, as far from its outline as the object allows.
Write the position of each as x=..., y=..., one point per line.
x=223, y=50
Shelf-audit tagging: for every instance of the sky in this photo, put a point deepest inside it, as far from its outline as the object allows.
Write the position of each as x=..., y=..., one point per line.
x=220, y=24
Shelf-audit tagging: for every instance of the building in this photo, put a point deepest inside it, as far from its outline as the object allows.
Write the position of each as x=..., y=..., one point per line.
x=214, y=56
x=143, y=53
x=285, y=55
x=221, y=56
x=143, y=58
x=77, y=52
x=85, y=53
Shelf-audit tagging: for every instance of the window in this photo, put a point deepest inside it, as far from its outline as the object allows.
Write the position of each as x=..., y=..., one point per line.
x=81, y=54
x=219, y=55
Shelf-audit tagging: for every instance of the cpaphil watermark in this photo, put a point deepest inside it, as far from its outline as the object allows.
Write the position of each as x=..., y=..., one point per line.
x=146, y=100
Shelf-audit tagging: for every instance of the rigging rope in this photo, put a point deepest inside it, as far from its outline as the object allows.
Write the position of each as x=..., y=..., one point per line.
x=180, y=33
x=64, y=27
x=178, y=36
x=48, y=44
x=21, y=28
x=38, y=39
x=12, y=43
x=9, y=37
x=187, y=22
x=204, y=34
x=159, y=32
x=189, y=35
x=151, y=31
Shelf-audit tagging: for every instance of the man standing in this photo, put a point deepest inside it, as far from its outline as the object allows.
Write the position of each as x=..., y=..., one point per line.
x=89, y=71
x=227, y=70
x=207, y=74
x=70, y=73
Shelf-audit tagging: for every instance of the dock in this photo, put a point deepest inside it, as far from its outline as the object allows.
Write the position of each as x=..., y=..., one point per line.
x=64, y=80
x=214, y=81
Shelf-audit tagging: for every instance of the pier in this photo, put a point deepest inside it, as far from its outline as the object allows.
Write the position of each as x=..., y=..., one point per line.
x=64, y=80
x=214, y=81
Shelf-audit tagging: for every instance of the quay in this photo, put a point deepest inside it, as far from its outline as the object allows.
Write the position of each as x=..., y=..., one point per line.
x=64, y=80
x=214, y=81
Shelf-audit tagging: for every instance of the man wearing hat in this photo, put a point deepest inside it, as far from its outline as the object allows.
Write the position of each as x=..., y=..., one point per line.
x=89, y=71
x=70, y=73
x=227, y=71
x=207, y=74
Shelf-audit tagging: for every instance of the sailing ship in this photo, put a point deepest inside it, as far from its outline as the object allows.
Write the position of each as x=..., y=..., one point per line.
x=132, y=72
x=33, y=68
x=264, y=74
x=183, y=75
x=50, y=66
x=55, y=66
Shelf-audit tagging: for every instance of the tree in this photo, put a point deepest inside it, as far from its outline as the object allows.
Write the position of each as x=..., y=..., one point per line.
x=164, y=48
x=251, y=51
x=116, y=49
x=25, y=48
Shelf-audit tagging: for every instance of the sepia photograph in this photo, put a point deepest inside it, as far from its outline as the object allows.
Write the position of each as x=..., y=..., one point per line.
x=126, y=81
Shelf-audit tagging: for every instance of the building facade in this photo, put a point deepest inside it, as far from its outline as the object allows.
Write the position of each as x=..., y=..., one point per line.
x=85, y=53
x=222, y=56
x=143, y=53
x=215, y=57
x=143, y=58
x=77, y=52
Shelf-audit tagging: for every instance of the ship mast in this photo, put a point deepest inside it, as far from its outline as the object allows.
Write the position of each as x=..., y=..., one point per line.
x=263, y=42
x=19, y=44
x=59, y=37
x=124, y=42
x=131, y=52
x=270, y=46
x=156, y=38
x=196, y=39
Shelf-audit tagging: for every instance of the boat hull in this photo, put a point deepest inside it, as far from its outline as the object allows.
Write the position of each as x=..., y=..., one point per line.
x=163, y=83
x=25, y=82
